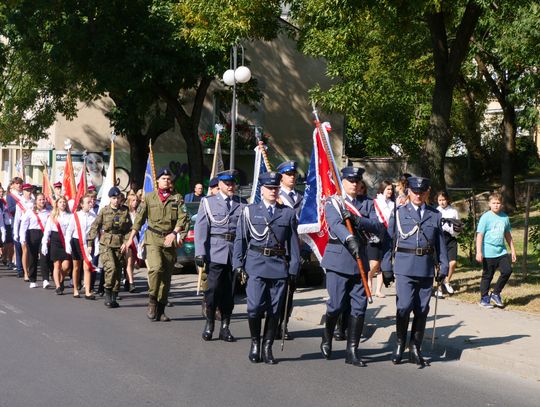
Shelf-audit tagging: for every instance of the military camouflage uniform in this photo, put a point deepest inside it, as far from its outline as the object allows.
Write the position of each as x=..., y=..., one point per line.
x=115, y=227
x=163, y=218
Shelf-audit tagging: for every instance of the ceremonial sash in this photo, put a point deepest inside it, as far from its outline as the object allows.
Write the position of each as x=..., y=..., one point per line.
x=81, y=243
x=60, y=233
x=40, y=223
x=18, y=202
x=380, y=214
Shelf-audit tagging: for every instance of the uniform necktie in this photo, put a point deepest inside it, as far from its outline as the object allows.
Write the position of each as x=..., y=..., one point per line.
x=228, y=201
x=270, y=211
x=419, y=211
x=291, y=195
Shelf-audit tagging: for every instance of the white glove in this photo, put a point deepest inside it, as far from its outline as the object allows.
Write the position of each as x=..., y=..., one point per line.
x=68, y=248
x=44, y=250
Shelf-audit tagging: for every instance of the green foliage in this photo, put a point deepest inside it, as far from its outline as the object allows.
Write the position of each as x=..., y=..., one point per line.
x=467, y=238
x=534, y=241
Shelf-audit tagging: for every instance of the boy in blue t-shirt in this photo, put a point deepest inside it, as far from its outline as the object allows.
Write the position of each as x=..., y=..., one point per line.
x=493, y=229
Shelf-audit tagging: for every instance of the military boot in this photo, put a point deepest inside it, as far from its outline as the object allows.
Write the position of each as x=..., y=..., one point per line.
x=152, y=305
x=340, y=333
x=160, y=313
x=328, y=332
x=108, y=297
x=255, y=331
x=417, y=336
x=209, y=328
x=269, y=335
x=114, y=297
x=402, y=324
x=356, y=325
x=224, y=332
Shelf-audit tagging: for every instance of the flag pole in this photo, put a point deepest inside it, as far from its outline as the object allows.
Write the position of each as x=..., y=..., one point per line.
x=337, y=183
x=151, y=152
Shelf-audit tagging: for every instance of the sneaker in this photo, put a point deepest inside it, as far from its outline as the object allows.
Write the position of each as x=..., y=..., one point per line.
x=448, y=288
x=46, y=283
x=484, y=302
x=497, y=300
x=33, y=285
x=439, y=294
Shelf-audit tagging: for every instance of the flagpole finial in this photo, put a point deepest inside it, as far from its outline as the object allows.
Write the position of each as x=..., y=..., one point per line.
x=113, y=136
x=84, y=154
x=219, y=127
x=67, y=145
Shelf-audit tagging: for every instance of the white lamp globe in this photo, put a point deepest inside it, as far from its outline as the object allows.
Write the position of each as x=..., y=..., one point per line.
x=242, y=74
x=228, y=77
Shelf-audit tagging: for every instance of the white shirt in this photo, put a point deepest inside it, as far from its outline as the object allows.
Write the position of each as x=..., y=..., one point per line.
x=422, y=209
x=63, y=220
x=385, y=205
x=85, y=220
x=29, y=221
x=448, y=213
x=28, y=204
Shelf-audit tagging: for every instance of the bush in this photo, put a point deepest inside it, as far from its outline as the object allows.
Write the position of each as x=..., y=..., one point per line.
x=534, y=240
x=467, y=237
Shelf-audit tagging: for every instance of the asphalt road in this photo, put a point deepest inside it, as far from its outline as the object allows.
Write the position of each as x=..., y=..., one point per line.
x=61, y=351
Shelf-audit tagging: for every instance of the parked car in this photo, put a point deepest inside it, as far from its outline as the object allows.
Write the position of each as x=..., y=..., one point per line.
x=185, y=255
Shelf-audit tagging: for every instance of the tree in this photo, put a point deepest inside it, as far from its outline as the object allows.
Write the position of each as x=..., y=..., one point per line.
x=507, y=54
x=141, y=53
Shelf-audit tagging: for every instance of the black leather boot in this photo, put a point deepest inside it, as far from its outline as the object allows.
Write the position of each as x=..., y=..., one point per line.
x=402, y=324
x=269, y=335
x=209, y=328
x=417, y=336
x=108, y=297
x=152, y=305
x=340, y=333
x=356, y=324
x=160, y=313
x=224, y=332
x=255, y=331
x=328, y=332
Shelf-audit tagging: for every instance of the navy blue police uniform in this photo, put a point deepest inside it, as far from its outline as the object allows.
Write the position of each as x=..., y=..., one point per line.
x=416, y=246
x=267, y=248
x=343, y=280
x=293, y=199
x=215, y=230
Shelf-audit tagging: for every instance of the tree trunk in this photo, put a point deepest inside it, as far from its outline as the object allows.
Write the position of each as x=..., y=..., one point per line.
x=138, y=149
x=473, y=137
x=508, y=157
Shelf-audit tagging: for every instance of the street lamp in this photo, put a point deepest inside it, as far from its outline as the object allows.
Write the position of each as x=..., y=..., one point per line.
x=236, y=74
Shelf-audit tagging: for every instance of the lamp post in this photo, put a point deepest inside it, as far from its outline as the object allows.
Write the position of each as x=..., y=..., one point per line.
x=236, y=74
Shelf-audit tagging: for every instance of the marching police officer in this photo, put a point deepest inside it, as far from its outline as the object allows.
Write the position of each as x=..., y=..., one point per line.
x=215, y=231
x=114, y=224
x=343, y=280
x=167, y=223
x=266, y=247
x=418, y=245
x=292, y=198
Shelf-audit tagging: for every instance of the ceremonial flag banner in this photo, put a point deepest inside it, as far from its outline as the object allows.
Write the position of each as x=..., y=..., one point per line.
x=259, y=168
x=81, y=187
x=312, y=226
x=69, y=179
x=110, y=180
x=149, y=186
x=47, y=190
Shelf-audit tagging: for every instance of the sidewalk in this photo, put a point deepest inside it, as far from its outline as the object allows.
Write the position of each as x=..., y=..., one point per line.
x=498, y=339
x=495, y=339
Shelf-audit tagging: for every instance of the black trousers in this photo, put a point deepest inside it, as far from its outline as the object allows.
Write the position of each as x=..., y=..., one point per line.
x=33, y=244
x=489, y=267
x=219, y=292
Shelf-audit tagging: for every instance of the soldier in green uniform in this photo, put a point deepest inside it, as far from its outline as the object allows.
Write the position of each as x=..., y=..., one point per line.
x=114, y=225
x=168, y=223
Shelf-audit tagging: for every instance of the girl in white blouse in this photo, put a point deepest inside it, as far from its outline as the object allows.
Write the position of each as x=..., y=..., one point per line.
x=31, y=233
x=81, y=220
x=54, y=238
x=450, y=237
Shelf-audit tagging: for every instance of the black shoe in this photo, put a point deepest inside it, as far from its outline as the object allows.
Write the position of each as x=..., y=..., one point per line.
x=224, y=332
x=402, y=325
x=271, y=327
x=114, y=297
x=255, y=331
x=170, y=304
x=328, y=332
x=108, y=298
x=59, y=291
x=355, y=331
x=208, y=329
x=132, y=288
x=91, y=297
